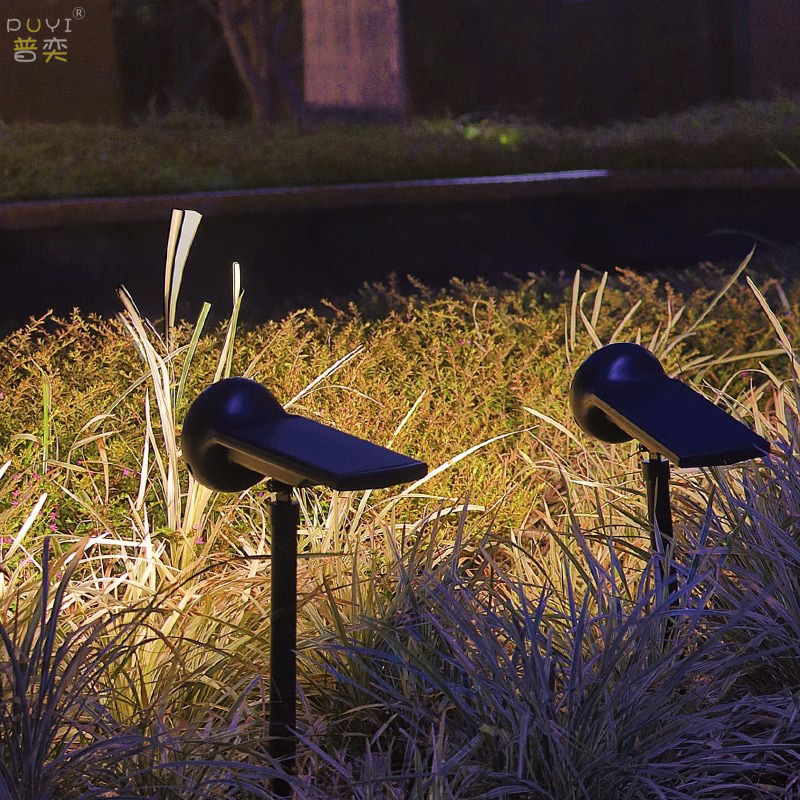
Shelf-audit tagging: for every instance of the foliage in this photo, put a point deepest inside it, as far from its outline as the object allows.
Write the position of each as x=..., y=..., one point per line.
x=51, y=717
x=193, y=152
x=495, y=630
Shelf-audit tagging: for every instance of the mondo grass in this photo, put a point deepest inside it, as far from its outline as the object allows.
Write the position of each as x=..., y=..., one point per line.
x=494, y=630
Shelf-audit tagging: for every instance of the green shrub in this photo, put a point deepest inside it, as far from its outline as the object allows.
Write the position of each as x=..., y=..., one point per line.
x=192, y=152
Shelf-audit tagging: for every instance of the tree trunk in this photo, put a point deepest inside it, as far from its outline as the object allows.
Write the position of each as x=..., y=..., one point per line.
x=245, y=25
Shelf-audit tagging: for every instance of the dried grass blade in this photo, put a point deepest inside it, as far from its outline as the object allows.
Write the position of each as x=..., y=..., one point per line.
x=590, y=329
x=407, y=417
x=226, y=356
x=26, y=526
x=573, y=313
x=189, y=224
x=190, y=351
x=169, y=267
x=625, y=320
x=598, y=299
x=326, y=374
x=550, y=421
x=710, y=307
x=451, y=462
x=776, y=324
x=145, y=458
x=47, y=407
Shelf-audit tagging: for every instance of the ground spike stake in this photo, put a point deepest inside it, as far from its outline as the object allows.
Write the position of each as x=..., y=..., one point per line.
x=656, y=475
x=285, y=520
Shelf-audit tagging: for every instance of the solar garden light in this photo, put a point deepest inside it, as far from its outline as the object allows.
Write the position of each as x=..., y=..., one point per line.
x=235, y=434
x=621, y=392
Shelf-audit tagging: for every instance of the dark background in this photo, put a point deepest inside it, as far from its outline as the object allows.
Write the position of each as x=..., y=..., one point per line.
x=578, y=61
x=292, y=259
x=563, y=61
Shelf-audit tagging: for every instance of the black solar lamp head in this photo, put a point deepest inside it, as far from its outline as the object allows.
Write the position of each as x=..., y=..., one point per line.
x=236, y=433
x=621, y=392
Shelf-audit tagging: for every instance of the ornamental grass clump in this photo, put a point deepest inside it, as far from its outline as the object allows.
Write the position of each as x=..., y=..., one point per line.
x=67, y=675
x=54, y=724
x=476, y=686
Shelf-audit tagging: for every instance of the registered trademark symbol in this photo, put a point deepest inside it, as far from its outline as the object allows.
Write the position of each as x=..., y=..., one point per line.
x=79, y=13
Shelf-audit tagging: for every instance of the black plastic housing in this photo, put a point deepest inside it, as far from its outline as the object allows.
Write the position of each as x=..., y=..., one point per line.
x=236, y=433
x=621, y=392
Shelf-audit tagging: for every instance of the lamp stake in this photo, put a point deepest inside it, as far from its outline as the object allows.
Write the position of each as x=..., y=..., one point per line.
x=655, y=471
x=285, y=519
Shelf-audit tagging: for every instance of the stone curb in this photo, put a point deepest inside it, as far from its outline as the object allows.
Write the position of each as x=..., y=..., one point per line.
x=22, y=215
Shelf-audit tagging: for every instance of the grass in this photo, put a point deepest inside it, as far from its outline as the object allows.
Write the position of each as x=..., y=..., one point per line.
x=193, y=152
x=497, y=630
